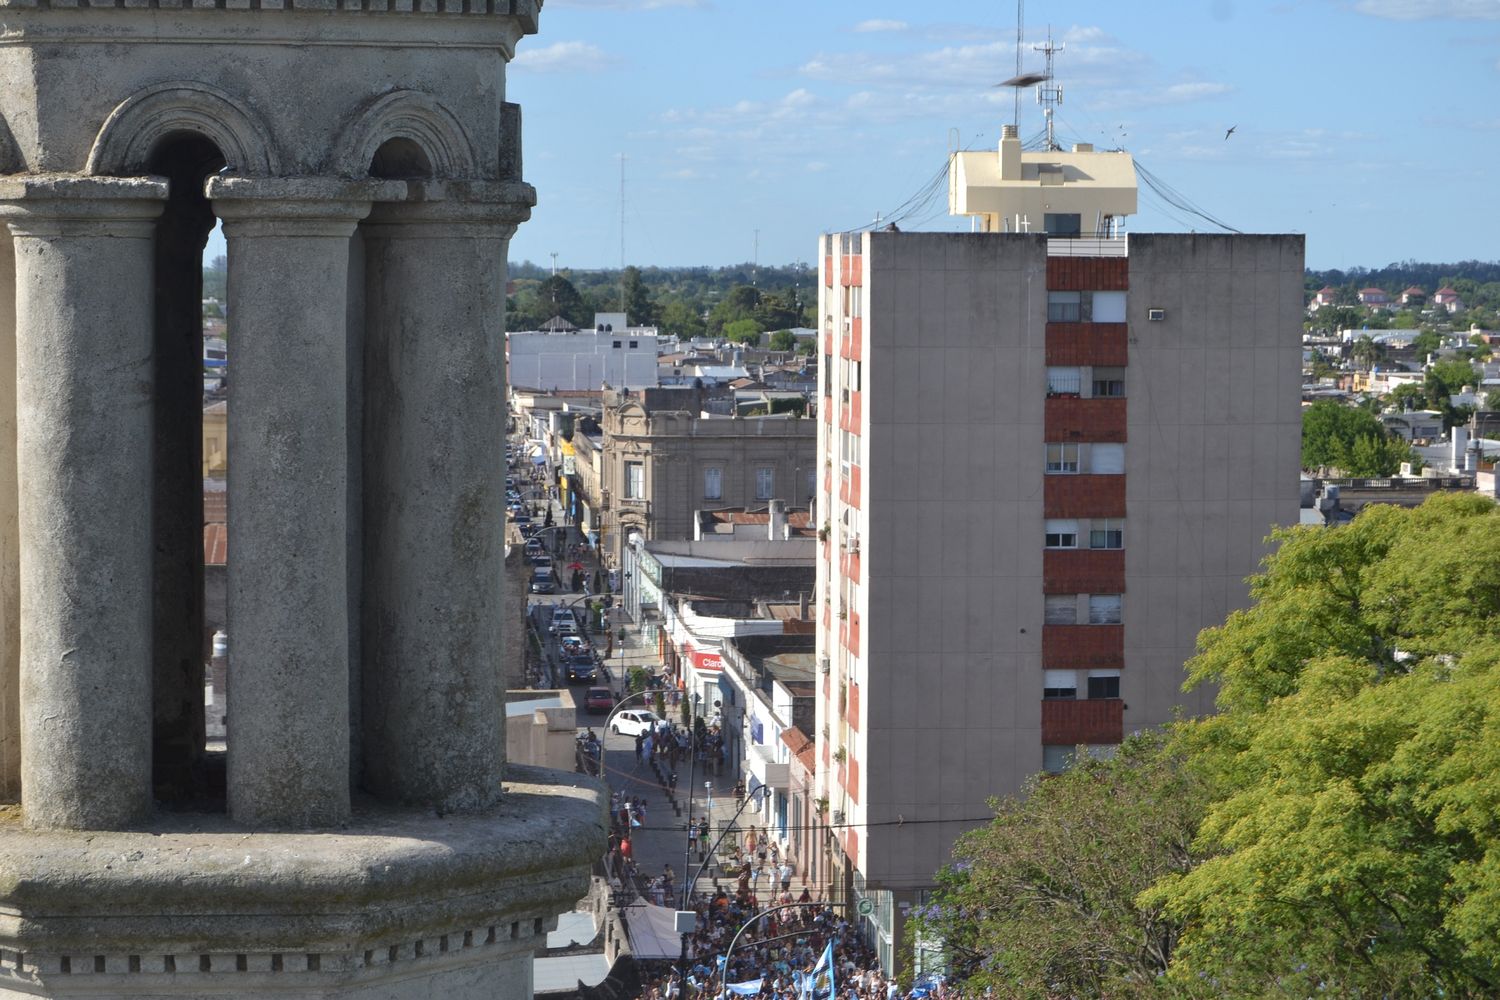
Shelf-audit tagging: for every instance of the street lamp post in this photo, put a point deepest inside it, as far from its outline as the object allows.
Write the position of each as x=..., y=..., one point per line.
x=724, y=972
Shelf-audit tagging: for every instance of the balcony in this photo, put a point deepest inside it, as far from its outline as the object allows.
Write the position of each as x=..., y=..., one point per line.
x=1083, y=647
x=1068, y=418
x=1080, y=272
x=1083, y=496
x=1102, y=344
x=1083, y=571
x=1093, y=720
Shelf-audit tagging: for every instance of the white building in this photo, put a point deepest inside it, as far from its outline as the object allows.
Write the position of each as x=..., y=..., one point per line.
x=616, y=356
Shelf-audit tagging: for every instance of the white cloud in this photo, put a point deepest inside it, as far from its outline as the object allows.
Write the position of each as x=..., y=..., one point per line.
x=880, y=24
x=1421, y=10
x=559, y=57
x=817, y=167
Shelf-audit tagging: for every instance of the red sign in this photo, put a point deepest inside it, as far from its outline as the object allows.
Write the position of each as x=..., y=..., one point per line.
x=709, y=662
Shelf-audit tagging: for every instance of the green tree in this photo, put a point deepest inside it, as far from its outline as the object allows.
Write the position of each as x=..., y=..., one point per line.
x=640, y=307
x=1448, y=376
x=1071, y=855
x=743, y=331
x=1329, y=430
x=1408, y=396
x=783, y=340
x=557, y=296
x=1375, y=455
x=1492, y=400
x=1427, y=342
x=807, y=347
x=680, y=318
x=1352, y=834
x=1367, y=352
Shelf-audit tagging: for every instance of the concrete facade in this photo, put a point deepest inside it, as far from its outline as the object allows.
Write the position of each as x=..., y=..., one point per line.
x=1019, y=515
x=367, y=233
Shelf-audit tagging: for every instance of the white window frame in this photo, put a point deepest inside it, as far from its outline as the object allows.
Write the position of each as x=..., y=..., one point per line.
x=1097, y=464
x=1064, y=307
x=765, y=482
x=1060, y=609
x=1060, y=533
x=1107, y=307
x=635, y=480
x=1061, y=458
x=1104, y=530
x=713, y=483
x=1105, y=609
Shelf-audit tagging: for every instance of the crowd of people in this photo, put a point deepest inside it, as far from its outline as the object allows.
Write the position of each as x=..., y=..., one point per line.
x=795, y=949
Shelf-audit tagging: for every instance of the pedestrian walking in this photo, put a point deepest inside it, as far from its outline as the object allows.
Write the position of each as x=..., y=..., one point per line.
x=786, y=875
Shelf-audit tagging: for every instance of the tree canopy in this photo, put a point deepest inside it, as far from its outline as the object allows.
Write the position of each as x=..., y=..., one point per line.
x=1333, y=831
x=1335, y=436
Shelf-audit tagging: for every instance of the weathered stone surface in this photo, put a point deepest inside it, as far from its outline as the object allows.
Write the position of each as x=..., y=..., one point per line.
x=434, y=371
x=289, y=669
x=218, y=900
x=84, y=465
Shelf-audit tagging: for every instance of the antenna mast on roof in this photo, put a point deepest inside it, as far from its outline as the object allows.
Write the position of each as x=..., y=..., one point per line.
x=1015, y=118
x=1048, y=93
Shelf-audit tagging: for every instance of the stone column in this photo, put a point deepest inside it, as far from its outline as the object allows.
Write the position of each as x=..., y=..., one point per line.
x=434, y=493
x=288, y=708
x=84, y=316
x=10, y=537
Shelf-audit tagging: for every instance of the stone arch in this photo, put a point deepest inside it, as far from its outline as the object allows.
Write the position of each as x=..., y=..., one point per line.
x=412, y=116
x=130, y=133
x=11, y=160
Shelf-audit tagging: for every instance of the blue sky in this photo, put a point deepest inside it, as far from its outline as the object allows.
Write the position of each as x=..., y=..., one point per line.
x=1370, y=125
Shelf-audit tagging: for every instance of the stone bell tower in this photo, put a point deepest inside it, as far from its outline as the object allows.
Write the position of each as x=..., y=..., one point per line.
x=361, y=836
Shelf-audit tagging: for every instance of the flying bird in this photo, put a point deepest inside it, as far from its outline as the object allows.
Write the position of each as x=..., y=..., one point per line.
x=1230, y=132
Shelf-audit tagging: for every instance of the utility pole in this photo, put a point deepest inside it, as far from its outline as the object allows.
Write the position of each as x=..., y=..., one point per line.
x=554, y=263
x=755, y=261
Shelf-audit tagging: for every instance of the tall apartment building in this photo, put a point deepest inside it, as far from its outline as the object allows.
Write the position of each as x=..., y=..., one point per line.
x=1051, y=453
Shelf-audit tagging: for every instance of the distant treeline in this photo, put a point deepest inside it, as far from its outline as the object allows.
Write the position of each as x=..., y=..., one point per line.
x=1464, y=275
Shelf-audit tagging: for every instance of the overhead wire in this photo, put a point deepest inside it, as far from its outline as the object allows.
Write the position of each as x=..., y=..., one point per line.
x=1177, y=199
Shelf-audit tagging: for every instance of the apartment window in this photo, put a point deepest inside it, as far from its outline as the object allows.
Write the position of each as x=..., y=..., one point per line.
x=1107, y=307
x=634, y=344
x=812, y=483
x=617, y=345
x=1104, y=687
x=1059, y=684
x=713, y=484
x=1062, y=223
x=1062, y=458
x=827, y=374
x=1056, y=759
x=848, y=449
x=635, y=481
x=1061, y=534
x=1107, y=383
x=1064, y=307
x=765, y=483
x=1107, y=534
x=1104, y=609
x=1064, y=381
x=1060, y=609
x=1107, y=459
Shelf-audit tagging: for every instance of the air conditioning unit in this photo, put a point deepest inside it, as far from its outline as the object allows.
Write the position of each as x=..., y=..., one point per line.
x=852, y=545
x=1156, y=315
x=838, y=817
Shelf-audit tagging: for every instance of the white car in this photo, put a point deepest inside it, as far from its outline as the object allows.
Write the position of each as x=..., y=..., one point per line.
x=633, y=722
x=563, y=617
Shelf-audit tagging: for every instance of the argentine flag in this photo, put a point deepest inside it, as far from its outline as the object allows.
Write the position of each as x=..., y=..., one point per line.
x=818, y=985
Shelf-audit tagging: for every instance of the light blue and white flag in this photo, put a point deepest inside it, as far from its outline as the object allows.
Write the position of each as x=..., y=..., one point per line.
x=747, y=989
x=818, y=985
